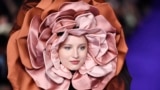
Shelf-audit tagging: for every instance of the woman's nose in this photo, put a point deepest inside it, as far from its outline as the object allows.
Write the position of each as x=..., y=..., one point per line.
x=75, y=53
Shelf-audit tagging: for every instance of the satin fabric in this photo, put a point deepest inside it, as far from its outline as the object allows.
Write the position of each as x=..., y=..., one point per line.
x=17, y=43
x=43, y=43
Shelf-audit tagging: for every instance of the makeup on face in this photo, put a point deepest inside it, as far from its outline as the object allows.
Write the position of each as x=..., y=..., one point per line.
x=73, y=52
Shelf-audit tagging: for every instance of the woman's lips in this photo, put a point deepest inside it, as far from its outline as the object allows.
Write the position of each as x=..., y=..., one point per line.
x=75, y=62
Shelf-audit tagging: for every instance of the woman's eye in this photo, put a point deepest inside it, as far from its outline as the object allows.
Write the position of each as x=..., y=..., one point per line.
x=67, y=48
x=82, y=47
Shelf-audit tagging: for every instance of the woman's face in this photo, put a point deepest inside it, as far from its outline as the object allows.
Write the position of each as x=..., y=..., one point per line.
x=73, y=52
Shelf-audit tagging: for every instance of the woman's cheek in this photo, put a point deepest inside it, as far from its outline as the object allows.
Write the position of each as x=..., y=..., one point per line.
x=84, y=54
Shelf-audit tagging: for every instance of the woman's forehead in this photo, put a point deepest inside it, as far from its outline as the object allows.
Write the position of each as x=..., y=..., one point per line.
x=75, y=39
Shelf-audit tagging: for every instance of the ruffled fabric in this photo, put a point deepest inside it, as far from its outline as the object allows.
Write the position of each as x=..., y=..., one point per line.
x=21, y=56
x=43, y=42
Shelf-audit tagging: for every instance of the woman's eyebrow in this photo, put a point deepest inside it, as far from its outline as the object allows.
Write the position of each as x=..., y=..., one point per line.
x=66, y=44
x=83, y=44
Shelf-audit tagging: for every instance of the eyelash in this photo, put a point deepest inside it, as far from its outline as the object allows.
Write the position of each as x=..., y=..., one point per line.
x=68, y=48
x=82, y=47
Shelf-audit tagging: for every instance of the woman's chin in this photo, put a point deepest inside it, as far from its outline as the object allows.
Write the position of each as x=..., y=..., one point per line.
x=74, y=68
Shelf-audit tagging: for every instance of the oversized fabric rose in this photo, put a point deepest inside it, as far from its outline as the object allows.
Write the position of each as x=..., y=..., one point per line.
x=76, y=18
x=32, y=58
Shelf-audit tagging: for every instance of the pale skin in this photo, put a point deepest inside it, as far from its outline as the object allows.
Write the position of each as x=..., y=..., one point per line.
x=73, y=52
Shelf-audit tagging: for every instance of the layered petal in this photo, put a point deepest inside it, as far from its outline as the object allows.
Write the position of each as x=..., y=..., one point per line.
x=76, y=18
